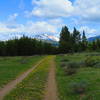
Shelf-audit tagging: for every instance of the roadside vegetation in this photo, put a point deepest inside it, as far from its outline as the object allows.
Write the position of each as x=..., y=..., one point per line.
x=33, y=86
x=78, y=76
x=11, y=67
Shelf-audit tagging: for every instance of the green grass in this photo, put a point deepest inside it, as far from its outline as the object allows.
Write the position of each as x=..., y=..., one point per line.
x=32, y=88
x=11, y=67
x=90, y=75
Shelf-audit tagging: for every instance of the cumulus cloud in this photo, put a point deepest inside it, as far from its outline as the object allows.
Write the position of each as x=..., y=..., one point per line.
x=41, y=26
x=51, y=8
x=7, y=27
x=89, y=31
x=57, y=21
x=87, y=9
x=48, y=26
x=13, y=17
x=30, y=27
x=56, y=11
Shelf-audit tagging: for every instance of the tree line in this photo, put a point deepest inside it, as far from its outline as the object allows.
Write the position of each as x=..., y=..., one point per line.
x=25, y=46
x=68, y=43
x=75, y=42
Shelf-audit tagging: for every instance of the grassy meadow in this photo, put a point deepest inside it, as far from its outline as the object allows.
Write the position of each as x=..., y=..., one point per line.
x=78, y=76
x=33, y=86
x=11, y=67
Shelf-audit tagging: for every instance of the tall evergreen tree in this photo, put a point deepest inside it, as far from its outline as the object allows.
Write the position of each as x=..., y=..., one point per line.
x=76, y=40
x=94, y=45
x=84, y=41
x=64, y=43
x=97, y=44
x=76, y=36
x=2, y=48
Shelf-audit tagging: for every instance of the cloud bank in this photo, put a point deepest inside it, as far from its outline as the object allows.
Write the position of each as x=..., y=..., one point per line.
x=52, y=15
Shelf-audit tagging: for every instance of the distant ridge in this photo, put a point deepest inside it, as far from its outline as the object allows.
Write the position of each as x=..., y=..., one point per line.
x=43, y=37
x=7, y=36
x=93, y=38
x=47, y=38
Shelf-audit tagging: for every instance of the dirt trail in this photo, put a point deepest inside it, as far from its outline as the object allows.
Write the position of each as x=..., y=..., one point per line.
x=51, y=88
x=7, y=88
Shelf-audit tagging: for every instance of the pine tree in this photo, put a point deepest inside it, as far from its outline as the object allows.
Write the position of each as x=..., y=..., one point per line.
x=94, y=45
x=84, y=41
x=97, y=44
x=65, y=41
x=76, y=38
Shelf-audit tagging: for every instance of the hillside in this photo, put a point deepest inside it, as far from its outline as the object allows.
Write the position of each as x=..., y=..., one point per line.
x=93, y=38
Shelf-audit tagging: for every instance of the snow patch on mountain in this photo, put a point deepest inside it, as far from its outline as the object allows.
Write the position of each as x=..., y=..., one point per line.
x=46, y=37
x=7, y=36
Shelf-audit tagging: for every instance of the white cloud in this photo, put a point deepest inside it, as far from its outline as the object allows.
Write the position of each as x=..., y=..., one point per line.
x=13, y=17
x=89, y=31
x=51, y=8
x=41, y=27
x=8, y=31
x=5, y=27
x=55, y=10
x=48, y=26
x=88, y=9
x=57, y=21
x=30, y=27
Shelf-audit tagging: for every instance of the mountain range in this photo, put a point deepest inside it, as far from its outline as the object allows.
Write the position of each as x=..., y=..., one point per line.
x=48, y=38
x=93, y=38
x=44, y=37
x=6, y=36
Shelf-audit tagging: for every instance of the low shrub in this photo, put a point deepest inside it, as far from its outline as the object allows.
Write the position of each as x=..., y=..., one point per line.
x=73, y=65
x=64, y=60
x=89, y=62
x=81, y=64
x=71, y=68
x=63, y=64
x=70, y=71
x=61, y=55
x=24, y=61
x=79, y=87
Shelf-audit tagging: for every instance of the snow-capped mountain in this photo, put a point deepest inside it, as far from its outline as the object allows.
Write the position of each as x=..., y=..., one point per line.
x=46, y=37
x=7, y=36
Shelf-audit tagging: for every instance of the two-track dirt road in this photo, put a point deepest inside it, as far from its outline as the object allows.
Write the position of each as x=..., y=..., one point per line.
x=51, y=87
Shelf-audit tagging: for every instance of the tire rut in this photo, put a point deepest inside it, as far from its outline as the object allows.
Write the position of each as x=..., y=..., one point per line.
x=11, y=85
x=51, y=87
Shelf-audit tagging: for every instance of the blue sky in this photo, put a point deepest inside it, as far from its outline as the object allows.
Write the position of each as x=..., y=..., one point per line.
x=48, y=16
